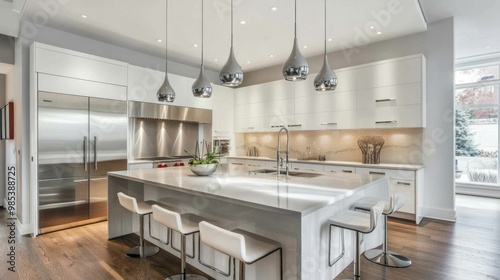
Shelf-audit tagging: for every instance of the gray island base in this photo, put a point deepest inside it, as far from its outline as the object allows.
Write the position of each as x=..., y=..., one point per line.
x=293, y=211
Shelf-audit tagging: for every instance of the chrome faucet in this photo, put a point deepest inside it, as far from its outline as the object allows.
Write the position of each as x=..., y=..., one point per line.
x=279, y=160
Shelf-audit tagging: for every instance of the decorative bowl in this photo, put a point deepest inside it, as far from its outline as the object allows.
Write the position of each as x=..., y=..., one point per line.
x=203, y=169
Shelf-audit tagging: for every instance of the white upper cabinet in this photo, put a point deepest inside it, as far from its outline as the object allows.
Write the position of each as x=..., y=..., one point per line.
x=328, y=101
x=391, y=94
x=71, y=64
x=327, y=120
x=222, y=111
x=391, y=72
x=197, y=102
x=143, y=83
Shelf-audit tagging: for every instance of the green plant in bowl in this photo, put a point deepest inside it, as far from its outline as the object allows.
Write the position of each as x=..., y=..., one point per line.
x=205, y=165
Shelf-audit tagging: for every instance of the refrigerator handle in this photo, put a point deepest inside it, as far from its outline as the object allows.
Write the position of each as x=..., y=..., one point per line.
x=95, y=152
x=85, y=153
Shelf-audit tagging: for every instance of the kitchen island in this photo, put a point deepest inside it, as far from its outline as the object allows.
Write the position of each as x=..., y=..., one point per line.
x=293, y=211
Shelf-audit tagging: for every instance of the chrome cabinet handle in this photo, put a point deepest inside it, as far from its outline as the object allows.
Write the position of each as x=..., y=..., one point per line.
x=330, y=123
x=85, y=153
x=95, y=152
x=294, y=125
x=237, y=163
x=376, y=173
x=385, y=100
x=347, y=171
x=275, y=126
x=380, y=122
x=403, y=183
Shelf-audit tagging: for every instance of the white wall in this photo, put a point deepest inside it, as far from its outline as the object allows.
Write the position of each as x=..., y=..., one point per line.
x=437, y=153
x=3, y=89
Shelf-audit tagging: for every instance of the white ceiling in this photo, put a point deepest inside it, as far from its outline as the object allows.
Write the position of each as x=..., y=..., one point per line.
x=138, y=24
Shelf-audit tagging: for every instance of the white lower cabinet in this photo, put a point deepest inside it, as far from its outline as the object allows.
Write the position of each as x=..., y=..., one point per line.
x=339, y=169
x=255, y=163
x=306, y=166
x=140, y=165
x=406, y=182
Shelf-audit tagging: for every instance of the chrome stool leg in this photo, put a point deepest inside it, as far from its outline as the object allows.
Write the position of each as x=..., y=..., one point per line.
x=142, y=251
x=184, y=275
x=385, y=257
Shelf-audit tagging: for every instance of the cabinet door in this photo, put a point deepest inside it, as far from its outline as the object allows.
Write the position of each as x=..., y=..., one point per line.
x=326, y=102
x=223, y=111
x=249, y=124
x=390, y=96
x=391, y=117
x=339, y=169
x=328, y=120
x=77, y=65
x=389, y=73
x=140, y=165
x=307, y=166
x=197, y=102
x=255, y=163
x=408, y=189
x=235, y=161
x=391, y=173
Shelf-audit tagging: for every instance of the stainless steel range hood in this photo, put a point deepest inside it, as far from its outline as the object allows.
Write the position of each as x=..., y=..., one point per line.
x=143, y=110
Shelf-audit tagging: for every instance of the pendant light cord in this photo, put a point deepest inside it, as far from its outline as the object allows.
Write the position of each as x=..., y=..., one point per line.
x=166, y=36
x=325, y=27
x=201, y=32
x=295, y=23
x=231, y=23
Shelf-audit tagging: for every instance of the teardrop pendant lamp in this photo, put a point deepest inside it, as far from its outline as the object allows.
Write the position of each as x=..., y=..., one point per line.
x=231, y=74
x=202, y=87
x=296, y=67
x=326, y=78
x=166, y=93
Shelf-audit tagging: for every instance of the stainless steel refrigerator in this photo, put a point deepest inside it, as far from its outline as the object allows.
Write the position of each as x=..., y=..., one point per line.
x=80, y=139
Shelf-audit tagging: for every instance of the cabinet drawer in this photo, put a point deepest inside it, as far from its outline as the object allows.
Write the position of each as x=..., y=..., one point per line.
x=408, y=189
x=391, y=117
x=255, y=163
x=390, y=96
x=307, y=166
x=390, y=73
x=235, y=161
x=339, y=169
x=391, y=173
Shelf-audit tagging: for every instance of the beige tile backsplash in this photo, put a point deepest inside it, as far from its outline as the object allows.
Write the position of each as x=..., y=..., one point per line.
x=402, y=146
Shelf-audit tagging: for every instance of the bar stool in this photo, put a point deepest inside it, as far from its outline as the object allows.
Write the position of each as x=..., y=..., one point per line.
x=142, y=209
x=245, y=246
x=185, y=224
x=358, y=222
x=383, y=256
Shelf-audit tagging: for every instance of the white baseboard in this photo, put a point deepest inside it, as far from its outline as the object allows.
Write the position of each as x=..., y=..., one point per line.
x=440, y=214
x=478, y=190
x=24, y=229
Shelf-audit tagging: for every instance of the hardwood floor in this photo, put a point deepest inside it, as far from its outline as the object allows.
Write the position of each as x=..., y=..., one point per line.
x=468, y=249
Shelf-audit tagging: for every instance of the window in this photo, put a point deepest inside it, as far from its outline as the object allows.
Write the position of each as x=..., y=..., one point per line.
x=477, y=105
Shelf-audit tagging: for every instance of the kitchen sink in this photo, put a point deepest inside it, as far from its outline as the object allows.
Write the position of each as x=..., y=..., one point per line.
x=290, y=173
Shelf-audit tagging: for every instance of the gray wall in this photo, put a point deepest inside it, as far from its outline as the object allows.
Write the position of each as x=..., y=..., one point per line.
x=6, y=49
x=437, y=45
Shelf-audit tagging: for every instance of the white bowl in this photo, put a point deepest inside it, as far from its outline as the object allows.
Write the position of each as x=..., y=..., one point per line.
x=203, y=169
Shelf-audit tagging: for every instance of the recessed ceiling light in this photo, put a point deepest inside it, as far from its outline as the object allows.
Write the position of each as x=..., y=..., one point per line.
x=248, y=62
x=84, y=16
x=243, y=22
x=305, y=47
x=274, y=8
x=371, y=26
x=271, y=55
x=379, y=33
x=159, y=41
x=330, y=39
x=215, y=59
x=195, y=45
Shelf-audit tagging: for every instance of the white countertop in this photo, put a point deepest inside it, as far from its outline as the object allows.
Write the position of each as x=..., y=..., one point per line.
x=298, y=195
x=343, y=163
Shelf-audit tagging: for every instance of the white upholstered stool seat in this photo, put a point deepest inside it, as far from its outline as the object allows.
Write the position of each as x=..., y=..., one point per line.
x=381, y=255
x=239, y=244
x=358, y=222
x=185, y=224
x=142, y=209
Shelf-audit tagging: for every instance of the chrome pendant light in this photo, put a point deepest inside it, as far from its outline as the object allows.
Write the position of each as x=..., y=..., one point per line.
x=326, y=78
x=166, y=93
x=202, y=87
x=231, y=74
x=296, y=67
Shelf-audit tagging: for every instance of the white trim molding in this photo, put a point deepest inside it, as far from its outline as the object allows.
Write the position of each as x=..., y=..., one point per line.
x=478, y=190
